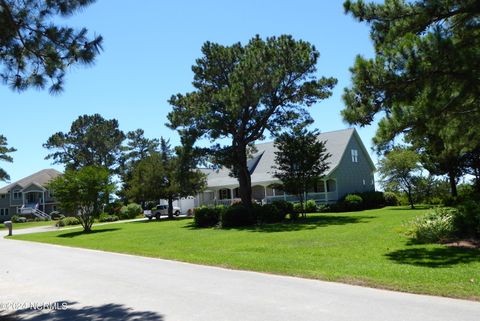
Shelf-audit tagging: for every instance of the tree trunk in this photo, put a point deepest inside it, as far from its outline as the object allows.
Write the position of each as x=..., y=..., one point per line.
x=244, y=179
x=170, y=207
x=453, y=184
x=410, y=198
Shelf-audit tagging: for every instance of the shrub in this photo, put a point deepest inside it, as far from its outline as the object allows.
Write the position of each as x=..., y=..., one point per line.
x=130, y=211
x=56, y=215
x=206, y=216
x=18, y=219
x=238, y=216
x=114, y=207
x=310, y=206
x=105, y=217
x=391, y=199
x=270, y=213
x=467, y=221
x=284, y=206
x=353, y=202
x=436, y=226
x=373, y=199
x=297, y=207
x=403, y=199
x=70, y=220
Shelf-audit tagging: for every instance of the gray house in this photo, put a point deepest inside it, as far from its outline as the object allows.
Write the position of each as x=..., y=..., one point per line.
x=28, y=196
x=351, y=170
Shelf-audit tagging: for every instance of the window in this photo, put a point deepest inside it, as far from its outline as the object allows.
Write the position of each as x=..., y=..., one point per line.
x=2, y=196
x=3, y=211
x=17, y=194
x=331, y=185
x=354, y=156
x=363, y=182
x=6, y=212
x=224, y=194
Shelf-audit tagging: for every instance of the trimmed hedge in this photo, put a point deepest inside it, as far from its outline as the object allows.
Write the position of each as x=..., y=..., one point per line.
x=18, y=219
x=372, y=199
x=238, y=215
x=105, y=217
x=130, y=211
x=206, y=216
x=69, y=220
x=271, y=213
x=353, y=202
x=391, y=199
x=56, y=215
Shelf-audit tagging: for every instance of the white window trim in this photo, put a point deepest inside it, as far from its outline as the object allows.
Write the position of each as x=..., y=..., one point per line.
x=354, y=155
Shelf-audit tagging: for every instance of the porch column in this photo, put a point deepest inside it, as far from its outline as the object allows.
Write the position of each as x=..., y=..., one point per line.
x=43, y=200
x=326, y=190
x=284, y=196
x=231, y=194
x=273, y=192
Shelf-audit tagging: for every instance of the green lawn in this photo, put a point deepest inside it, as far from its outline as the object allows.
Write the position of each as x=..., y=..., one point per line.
x=365, y=248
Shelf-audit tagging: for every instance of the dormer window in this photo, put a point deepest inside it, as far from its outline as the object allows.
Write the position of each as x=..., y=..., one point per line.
x=354, y=156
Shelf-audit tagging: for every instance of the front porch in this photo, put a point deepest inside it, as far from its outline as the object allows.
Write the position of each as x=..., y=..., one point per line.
x=325, y=191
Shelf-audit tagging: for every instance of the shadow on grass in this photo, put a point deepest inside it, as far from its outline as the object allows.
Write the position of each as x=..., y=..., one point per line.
x=163, y=219
x=404, y=208
x=78, y=233
x=441, y=257
x=66, y=311
x=308, y=223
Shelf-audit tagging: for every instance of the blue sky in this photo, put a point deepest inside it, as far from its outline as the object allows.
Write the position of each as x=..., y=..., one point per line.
x=150, y=47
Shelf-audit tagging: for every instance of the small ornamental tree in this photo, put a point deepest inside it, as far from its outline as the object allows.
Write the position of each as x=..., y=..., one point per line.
x=242, y=92
x=83, y=192
x=399, y=170
x=301, y=160
x=4, y=151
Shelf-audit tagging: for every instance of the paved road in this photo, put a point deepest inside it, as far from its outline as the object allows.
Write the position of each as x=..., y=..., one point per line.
x=95, y=285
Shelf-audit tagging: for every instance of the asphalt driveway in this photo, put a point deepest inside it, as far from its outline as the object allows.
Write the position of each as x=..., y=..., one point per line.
x=49, y=282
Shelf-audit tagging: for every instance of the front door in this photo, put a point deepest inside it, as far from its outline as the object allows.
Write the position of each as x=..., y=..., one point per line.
x=32, y=198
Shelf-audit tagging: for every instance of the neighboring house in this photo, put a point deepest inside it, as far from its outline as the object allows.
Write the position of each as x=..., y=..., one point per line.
x=28, y=196
x=351, y=170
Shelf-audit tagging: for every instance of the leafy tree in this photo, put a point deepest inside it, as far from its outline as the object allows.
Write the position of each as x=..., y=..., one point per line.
x=428, y=188
x=161, y=176
x=4, y=150
x=147, y=179
x=35, y=49
x=83, y=192
x=399, y=170
x=472, y=164
x=138, y=147
x=301, y=160
x=424, y=76
x=91, y=141
x=243, y=92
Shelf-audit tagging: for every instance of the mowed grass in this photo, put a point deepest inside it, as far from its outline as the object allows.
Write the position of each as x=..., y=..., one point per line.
x=365, y=248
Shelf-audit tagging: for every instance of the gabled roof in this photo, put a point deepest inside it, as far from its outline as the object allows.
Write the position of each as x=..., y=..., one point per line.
x=40, y=178
x=335, y=142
